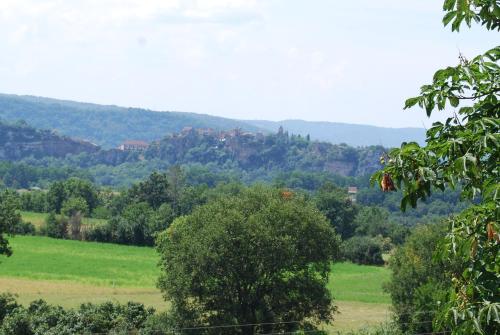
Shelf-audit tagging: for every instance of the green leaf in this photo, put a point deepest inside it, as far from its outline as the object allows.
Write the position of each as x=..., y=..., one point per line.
x=449, y=4
x=411, y=102
x=448, y=17
x=454, y=101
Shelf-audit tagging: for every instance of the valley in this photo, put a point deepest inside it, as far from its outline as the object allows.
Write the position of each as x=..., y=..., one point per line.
x=69, y=273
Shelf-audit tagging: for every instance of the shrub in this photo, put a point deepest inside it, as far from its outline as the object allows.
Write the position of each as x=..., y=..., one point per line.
x=418, y=283
x=7, y=305
x=101, y=212
x=54, y=227
x=363, y=250
x=42, y=318
x=100, y=233
x=16, y=323
x=24, y=228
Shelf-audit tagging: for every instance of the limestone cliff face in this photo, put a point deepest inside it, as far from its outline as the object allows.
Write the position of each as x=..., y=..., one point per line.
x=249, y=151
x=233, y=149
x=20, y=141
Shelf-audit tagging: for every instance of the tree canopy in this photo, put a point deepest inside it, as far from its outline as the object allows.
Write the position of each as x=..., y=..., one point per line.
x=9, y=218
x=260, y=258
x=461, y=152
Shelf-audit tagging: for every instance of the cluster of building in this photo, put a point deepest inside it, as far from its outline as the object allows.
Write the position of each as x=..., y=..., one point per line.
x=133, y=145
x=221, y=135
x=136, y=145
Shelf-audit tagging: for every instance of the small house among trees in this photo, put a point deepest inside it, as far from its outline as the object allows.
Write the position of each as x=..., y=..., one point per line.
x=352, y=191
x=133, y=146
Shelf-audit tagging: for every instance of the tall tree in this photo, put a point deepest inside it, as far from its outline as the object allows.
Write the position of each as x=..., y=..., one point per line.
x=259, y=259
x=155, y=190
x=56, y=196
x=9, y=218
x=461, y=151
x=338, y=208
x=80, y=188
x=176, y=179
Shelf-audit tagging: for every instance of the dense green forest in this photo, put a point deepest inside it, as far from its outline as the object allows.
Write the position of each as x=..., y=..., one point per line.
x=208, y=157
x=234, y=151
x=361, y=231
x=109, y=126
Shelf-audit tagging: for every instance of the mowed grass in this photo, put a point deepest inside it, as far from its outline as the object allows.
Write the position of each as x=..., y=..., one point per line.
x=38, y=219
x=352, y=282
x=100, y=264
x=69, y=273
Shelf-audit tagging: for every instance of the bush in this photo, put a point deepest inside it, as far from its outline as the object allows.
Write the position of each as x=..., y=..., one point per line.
x=7, y=305
x=158, y=324
x=24, y=228
x=16, y=323
x=101, y=212
x=54, y=227
x=42, y=318
x=418, y=283
x=363, y=250
x=100, y=233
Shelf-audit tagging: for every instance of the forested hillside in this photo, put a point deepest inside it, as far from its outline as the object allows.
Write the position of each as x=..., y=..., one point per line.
x=109, y=126
x=250, y=151
x=258, y=156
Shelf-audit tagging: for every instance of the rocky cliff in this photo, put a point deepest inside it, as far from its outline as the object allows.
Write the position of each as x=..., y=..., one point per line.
x=18, y=141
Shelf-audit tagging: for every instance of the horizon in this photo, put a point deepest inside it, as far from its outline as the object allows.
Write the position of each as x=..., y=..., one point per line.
x=204, y=114
x=244, y=60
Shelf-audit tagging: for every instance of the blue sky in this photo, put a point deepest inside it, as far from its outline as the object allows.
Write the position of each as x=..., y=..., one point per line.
x=328, y=60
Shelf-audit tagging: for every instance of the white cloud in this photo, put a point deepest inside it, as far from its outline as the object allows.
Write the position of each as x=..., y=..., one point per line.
x=236, y=58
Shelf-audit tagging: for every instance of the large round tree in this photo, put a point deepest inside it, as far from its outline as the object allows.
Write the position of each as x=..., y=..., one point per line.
x=256, y=262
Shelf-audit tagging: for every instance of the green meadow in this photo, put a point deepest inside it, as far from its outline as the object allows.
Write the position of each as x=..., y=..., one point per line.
x=363, y=283
x=69, y=273
x=100, y=264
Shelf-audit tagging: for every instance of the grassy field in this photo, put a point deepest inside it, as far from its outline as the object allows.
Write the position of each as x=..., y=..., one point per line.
x=37, y=219
x=71, y=272
x=99, y=264
x=352, y=282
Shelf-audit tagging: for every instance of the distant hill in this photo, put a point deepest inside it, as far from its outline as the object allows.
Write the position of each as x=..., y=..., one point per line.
x=109, y=126
x=229, y=151
x=258, y=152
x=352, y=134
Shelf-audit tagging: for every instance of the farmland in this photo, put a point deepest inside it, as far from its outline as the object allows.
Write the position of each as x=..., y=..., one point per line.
x=71, y=272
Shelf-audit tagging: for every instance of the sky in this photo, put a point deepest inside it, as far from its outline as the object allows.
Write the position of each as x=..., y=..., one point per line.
x=318, y=60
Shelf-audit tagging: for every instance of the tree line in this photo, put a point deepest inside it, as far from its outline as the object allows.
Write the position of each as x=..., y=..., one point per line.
x=136, y=215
